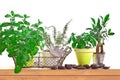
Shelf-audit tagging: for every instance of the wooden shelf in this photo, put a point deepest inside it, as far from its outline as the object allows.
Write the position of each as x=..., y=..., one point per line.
x=34, y=74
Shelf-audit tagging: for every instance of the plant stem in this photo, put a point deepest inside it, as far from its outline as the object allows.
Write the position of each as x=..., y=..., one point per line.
x=99, y=47
x=14, y=59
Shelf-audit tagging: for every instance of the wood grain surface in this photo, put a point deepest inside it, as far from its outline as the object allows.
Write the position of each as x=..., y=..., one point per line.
x=34, y=74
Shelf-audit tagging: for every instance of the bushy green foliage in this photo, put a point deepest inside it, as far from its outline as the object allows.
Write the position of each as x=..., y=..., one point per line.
x=85, y=40
x=19, y=39
x=97, y=33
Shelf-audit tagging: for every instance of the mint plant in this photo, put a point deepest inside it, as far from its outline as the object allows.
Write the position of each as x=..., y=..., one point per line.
x=19, y=39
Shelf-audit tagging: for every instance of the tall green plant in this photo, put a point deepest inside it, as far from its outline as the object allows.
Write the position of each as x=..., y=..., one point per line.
x=19, y=39
x=99, y=29
x=100, y=32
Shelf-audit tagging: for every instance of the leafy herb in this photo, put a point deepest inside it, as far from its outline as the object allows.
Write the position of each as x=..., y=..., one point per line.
x=19, y=39
x=85, y=40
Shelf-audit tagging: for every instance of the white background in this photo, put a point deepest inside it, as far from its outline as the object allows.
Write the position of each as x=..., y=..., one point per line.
x=59, y=12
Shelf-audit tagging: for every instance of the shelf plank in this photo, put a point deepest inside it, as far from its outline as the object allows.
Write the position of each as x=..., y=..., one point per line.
x=48, y=72
x=36, y=74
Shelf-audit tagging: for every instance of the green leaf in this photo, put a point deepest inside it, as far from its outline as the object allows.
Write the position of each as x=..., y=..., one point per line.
x=92, y=33
x=40, y=38
x=93, y=20
x=81, y=44
x=93, y=41
x=12, y=13
x=69, y=40
x=18, y=15
x=7, y=15
x=98, y=22
x=73, y=37
x=20, y=22
x=4, y=24
x=101, y=17
x=93, y=25
x=27, y=23
x=34, y=52
x=89, y=29
x=100, y=28
x=78, y=46
x=109, y=31
x=39, y=22
x=73, y=45
x=87, y=38
x=17, y=69
x=26, y=16
x=35, y=25
x=112, y=33
x=31, y=42
x=41, y=29
x=33, y=33
x=22, y=57
x=106, y=18
x=42, y=45
x=26, y=57
x=12, y=53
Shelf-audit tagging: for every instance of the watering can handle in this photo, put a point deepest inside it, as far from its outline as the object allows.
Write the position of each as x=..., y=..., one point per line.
x=68, y=50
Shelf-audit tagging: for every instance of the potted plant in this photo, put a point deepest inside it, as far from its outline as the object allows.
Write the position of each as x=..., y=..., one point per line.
x=83, y=45
x=56, y=49
x=100, y=32
x=19, y=39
